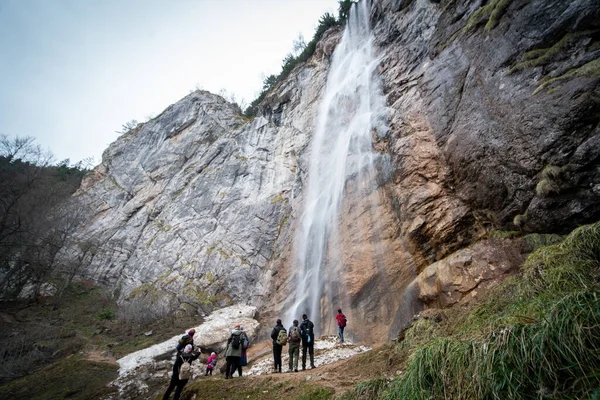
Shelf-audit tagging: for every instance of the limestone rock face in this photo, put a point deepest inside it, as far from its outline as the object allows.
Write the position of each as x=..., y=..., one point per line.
x=485, y=97
x=466, y=271
x=187, y=207
x=493, y=118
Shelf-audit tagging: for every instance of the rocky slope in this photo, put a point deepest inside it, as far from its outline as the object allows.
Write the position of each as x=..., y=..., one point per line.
x=493, y=115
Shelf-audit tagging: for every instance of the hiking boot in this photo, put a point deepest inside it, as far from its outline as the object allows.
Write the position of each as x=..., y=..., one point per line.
x=296, y=370
x=303, y=368
x=313, y=367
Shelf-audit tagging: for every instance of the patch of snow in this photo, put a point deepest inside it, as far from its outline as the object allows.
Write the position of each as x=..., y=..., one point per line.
x=327, y=350
x=216, y=326
x=134, y=368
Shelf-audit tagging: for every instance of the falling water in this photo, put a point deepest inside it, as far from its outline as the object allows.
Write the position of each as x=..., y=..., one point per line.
x=341, y=155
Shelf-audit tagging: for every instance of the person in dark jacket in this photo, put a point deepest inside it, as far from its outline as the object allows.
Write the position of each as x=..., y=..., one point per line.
x=233, y=355
x=308, y=341
x=277, y=348
x=188, y=354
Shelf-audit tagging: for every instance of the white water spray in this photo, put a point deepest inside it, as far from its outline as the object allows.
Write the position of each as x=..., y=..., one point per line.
x=341, y=156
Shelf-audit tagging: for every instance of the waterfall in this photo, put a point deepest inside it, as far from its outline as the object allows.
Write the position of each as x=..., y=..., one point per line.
x=341, y=158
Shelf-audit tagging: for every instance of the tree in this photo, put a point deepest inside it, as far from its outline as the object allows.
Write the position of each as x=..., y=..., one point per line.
x=127, y=126
x=344, y=10
x=299, y=45
x=33, y=218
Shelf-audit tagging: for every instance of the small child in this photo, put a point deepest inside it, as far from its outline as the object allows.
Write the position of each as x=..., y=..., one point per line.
x=211, y=363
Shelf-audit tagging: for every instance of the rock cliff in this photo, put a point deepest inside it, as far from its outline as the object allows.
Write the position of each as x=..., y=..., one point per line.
x=493, y=111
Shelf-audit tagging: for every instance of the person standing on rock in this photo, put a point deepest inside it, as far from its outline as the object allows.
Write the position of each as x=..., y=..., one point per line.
x=294, y=350
x=277, y=348
x=244, y=357
x=233, y=351
x=187, y=355
x=341, y=322
x=308, y=341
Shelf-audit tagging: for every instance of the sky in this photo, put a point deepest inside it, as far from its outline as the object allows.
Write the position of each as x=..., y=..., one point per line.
x=72, y=72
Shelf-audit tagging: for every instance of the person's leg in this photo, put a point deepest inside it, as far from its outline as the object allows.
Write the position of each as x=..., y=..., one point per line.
x=275, y=357
x=172, y=384
x=296, y=356
x=235, y=362
x=180, y=386
x=228, y=367
x=311, y=349
x=278, y=350
x=291, y=357
x=240, y=370
x=304, y=346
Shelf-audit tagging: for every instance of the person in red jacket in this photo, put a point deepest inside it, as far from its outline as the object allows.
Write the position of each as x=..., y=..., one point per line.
x=341, y=321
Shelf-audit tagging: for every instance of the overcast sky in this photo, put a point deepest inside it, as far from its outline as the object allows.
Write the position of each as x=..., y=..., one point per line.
x=72, y=72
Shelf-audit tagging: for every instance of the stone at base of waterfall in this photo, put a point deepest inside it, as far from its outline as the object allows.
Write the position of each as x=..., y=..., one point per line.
x=212, y=333
x=328, y=349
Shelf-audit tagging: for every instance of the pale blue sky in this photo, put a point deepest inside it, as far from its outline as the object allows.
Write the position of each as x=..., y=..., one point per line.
x=73, y=71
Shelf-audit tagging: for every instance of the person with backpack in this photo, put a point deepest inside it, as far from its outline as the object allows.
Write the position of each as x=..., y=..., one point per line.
x=233, y=351
x=341, y=322
x=308, y=341
x=211, y=363
x=294, y=350
x=186, y=339
x=279, y=336
x=182, y=370
x=244, y=357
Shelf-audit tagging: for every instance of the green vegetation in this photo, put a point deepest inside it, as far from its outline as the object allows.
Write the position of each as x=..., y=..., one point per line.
x=278, y=199
x=106, y=314
x=536, y=336
x=71, y=378
x=305, y=51
x=489, y=13
x=257, y=387
x=372, y=389
x=591, y=69
x=538, y=57
x=520, y=220
x=553, y=180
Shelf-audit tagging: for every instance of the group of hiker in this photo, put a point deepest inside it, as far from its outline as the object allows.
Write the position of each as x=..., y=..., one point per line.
x=296, y=335
x=187, y=352
x=238, y=343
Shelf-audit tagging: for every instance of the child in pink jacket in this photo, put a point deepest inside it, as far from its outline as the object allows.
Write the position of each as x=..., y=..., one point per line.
x=211, y=363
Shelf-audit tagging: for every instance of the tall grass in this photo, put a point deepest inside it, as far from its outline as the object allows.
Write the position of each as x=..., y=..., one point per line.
x=538, y=337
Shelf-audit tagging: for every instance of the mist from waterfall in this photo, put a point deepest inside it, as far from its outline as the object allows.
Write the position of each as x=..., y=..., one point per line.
x=341, y=155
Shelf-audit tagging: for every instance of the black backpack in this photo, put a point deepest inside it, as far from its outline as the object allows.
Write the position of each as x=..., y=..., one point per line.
x=235, y=341
x=307, y=328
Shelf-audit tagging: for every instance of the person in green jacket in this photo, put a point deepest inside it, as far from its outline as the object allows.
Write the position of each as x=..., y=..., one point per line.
x=233, y=351
x=294, y=338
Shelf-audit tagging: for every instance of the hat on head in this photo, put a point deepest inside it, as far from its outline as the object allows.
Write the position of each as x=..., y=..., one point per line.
x=191, y=332
x=188, y=349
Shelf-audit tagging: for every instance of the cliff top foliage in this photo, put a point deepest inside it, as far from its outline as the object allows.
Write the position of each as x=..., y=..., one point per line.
x=303, y=52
